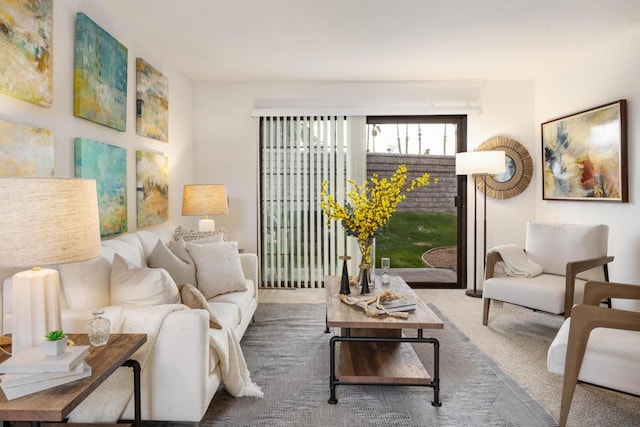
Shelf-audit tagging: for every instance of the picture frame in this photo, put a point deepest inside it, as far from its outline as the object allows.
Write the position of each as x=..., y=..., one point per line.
x=100, y=75
x=584, y=155
x=107, y=164
x=518, y=169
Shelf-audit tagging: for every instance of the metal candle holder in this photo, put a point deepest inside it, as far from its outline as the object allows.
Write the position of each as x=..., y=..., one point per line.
x=344, y=283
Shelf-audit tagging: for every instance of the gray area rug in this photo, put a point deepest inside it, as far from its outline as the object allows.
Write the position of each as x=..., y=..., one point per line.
x=287, y=352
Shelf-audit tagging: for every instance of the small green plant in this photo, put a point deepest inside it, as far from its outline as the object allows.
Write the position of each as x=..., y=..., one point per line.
x=56, y=335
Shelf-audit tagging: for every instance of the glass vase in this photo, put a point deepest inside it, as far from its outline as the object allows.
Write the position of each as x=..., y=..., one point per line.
x=98, y=329
x=368, y=261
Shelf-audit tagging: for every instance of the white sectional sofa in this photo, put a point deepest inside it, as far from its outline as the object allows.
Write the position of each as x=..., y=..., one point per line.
x=182, y=373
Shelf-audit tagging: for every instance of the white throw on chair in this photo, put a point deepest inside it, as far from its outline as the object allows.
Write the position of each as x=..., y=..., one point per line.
x=561, y=258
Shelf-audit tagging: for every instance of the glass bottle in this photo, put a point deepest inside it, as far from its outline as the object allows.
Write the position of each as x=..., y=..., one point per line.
x=386, y=264
x=98, y=329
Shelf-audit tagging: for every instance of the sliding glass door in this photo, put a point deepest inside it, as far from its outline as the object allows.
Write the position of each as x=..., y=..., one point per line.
x=298, y=249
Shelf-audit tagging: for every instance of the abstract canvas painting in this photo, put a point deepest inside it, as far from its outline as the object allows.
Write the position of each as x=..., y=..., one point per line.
x=152, y=102
x=26, y=50
x=107, y=164
x=25, y=150
x=585, y=155
x=100, y=76
x=152, y=187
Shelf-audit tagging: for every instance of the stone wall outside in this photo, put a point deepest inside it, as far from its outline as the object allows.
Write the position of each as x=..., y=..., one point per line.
x=434, y=198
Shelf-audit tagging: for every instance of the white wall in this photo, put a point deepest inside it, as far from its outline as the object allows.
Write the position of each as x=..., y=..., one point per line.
x=66, y=127
x=608, y=74
x=227, y=137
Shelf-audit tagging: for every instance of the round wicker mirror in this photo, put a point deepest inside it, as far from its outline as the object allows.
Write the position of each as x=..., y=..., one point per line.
x=519, y=169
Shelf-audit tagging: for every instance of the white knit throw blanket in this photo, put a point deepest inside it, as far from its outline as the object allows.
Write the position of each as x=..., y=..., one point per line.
x=235, y=375
x=516, y=262
x=107, y=403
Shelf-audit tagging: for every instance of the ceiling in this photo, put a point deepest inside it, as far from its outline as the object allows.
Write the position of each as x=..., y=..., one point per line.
x=371, y=40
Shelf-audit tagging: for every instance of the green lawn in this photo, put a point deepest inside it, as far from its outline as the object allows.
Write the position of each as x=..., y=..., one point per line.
x=410, y=234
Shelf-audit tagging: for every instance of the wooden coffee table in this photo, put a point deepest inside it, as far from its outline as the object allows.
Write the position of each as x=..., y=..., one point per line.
x=55, y=404
x=373, y=350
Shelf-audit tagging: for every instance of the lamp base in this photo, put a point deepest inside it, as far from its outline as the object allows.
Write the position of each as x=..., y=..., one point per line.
x=206, y=225
x=473, y=294
x=35, y=306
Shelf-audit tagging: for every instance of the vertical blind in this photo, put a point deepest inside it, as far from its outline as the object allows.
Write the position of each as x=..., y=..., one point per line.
x=297, y=154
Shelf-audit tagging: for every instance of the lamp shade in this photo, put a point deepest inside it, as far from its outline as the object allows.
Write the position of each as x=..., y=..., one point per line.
x=480, y=162
x=46, y=221
x=204, y=199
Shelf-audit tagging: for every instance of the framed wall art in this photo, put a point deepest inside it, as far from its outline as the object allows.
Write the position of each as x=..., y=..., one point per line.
x=100, y=76
x=518, y=169
x=26, y=50
x=152, y=102
x=25, y=150
x=152, y=188
x=107, y=164
x=585, y=155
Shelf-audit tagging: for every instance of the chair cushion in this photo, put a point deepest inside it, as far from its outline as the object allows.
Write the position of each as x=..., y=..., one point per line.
x=611, y=360
x=552, y=245
x=544, y=292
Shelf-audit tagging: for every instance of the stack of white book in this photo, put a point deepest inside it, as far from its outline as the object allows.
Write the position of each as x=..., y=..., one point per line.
x=31, y=370
x=396, y=305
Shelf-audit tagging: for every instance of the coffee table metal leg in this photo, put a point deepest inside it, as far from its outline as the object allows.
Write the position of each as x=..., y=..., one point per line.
x=436, y=373
x=332, y=370
x=136, y=390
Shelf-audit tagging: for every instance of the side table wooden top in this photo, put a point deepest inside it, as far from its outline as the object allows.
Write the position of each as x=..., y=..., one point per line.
x=56, y=403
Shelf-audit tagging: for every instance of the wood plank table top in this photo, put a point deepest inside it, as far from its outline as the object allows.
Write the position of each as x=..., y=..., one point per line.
x=56, y=403
x=342, y=315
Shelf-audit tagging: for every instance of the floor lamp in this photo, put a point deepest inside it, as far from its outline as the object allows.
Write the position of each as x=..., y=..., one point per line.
x=44, y=221
x=479, y=163
x=205, y=199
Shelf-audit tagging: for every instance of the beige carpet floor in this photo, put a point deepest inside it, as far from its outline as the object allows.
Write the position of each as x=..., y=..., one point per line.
x=517, y=339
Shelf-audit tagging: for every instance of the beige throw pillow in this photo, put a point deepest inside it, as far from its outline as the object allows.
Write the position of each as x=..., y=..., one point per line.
x=131, y=285
x=218, y=268
x=175, y=259
x=193, y=298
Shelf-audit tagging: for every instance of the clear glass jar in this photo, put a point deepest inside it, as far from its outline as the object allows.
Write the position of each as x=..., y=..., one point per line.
x=386, y=264
x=98, y=329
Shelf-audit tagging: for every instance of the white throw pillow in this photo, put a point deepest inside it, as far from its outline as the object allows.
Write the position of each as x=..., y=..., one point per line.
x=131, y=285
x=175, y=259
x=218, y=268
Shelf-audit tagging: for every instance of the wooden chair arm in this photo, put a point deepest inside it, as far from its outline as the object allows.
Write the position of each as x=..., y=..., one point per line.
x=575, y=267
x=594, y=292
x=584, y=319
x=492, y=260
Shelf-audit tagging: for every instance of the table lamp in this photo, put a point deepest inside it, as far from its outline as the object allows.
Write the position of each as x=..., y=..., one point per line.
x=44, y=221
x=205, y=199
x=479, y=163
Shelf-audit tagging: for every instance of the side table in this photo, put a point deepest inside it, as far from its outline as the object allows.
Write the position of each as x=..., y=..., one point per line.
x=55, y=404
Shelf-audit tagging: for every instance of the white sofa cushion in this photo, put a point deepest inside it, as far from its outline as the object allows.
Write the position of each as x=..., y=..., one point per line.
x=131, y=285
x=80, y=293
x=218, y=268
x=176, y=260
x=544, y=292
x=127, y=246
x=552, y=245
x=611, y=360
